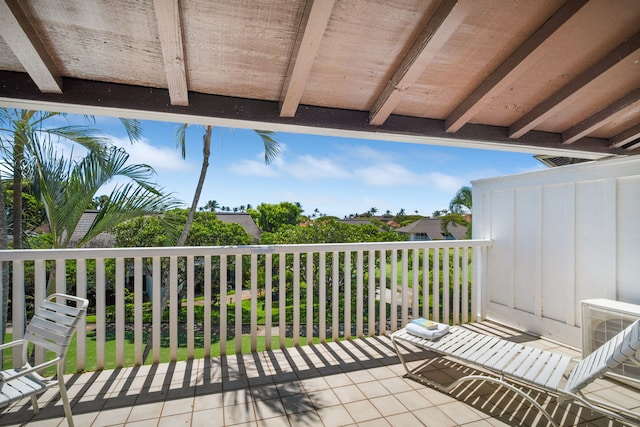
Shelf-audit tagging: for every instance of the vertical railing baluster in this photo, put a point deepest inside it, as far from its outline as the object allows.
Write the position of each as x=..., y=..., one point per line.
x=425, y=284
x=415, y=284
x=310, y=291
x=137, y=309
x=254, y=302
x=436, y=284
x=359, y=294
x=393, y=308
x=223, y=304
x=40, y=293
x=322, y=297
x=18, y=310
x=456, y=286
x=81, y=332
x=61, y=276
x=119, y=320
x=157, y=314
x=335, y=296
x=282, y=298
x=268, y=299
x=383, y=292
x=347, y=294
x=445, y=285
x=206, y=265
x=238, y=301
x=371, y=293
x=296, y=299
x=174, y=308
x=465, y=284
x=190, y=307
x=100, y=314
x=405, y=286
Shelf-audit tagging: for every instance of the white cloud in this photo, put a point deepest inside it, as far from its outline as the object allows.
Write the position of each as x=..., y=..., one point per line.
x=162, y=159
x=393, y=174
x=309, y=168
x=446, y=183
x=254, y=168
x=364, y=153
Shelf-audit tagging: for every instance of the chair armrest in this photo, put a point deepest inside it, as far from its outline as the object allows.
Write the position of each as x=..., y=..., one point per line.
x=11, y=344
x=29, y=370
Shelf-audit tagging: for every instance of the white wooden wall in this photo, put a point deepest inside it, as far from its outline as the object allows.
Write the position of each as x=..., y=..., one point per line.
x=559, y=236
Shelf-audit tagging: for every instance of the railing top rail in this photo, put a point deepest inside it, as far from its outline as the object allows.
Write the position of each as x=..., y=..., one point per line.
x=95, y=253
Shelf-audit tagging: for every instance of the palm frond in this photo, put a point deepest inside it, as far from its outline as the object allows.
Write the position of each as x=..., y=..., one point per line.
x=181, y=138
x=133, y=128
x=271, y=146
x=127, y=202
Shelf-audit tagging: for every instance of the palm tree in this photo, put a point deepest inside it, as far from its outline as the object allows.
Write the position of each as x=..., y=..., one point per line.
x=67, y=187
x=271, y=151
x=211, y=206
x=20, y=131
x=460, y=208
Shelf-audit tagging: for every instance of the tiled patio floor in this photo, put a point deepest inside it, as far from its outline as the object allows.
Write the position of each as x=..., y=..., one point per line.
x=356, y=382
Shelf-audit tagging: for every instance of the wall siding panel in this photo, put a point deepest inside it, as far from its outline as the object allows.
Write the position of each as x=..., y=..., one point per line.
x=559, y=236
x=628, y=239
x=527, y=242
x=558, y=210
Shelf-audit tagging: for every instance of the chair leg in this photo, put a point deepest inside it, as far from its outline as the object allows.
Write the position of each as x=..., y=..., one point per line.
x=65, y=401
x=34, y=403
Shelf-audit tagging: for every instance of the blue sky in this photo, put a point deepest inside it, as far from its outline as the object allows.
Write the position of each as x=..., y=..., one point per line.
x=337, y=176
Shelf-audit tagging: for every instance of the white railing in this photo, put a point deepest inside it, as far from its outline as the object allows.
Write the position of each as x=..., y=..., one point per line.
x=346, y=290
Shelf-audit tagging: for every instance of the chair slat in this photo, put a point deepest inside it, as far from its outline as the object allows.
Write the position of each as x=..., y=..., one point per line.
x=51, y=326
x=498, y=347
x=504, y=358
x=60, y=308
x=606, y=357
x=523, y=356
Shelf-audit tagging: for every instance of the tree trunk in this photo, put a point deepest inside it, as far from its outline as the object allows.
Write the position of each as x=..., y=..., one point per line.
x=206, y=153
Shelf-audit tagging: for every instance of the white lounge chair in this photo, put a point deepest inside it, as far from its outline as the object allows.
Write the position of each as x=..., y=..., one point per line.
x=516, y=364
x=52, y=327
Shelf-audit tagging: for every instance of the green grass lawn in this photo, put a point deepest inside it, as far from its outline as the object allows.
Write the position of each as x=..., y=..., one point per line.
x=129, y=350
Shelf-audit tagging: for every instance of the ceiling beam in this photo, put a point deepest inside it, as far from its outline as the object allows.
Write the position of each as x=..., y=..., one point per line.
x=625, y=137
x=601, y=118
x=444, y=22
x=634, y=146
x=119, y=100
x=170, y=34
x=563, y=97
x=512, y=68
x=19, y=34
x=314, y=21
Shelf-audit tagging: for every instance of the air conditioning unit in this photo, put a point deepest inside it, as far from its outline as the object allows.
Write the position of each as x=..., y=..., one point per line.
x=602, y=319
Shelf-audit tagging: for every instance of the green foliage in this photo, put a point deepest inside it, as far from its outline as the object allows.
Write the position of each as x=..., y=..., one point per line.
x=145, y=231
x=459, y=207
x=206, y=230
x=33, y=214
x=329, y=230
x=407, y=219
x=272, y=217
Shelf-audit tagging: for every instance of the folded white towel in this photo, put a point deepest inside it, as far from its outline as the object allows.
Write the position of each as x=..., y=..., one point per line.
x=422, y=332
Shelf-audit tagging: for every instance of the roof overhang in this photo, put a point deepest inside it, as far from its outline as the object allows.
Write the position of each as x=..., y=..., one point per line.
x=548, y=77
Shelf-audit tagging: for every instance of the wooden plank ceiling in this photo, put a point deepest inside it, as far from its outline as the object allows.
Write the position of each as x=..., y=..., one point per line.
x=543, y=76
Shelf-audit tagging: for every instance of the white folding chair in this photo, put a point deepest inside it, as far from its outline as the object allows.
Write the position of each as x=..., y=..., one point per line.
x=51, y=327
